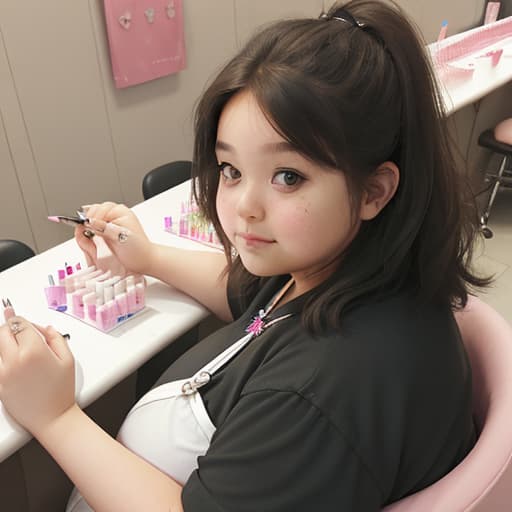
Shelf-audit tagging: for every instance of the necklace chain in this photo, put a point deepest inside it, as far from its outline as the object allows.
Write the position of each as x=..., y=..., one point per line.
x=258, y=324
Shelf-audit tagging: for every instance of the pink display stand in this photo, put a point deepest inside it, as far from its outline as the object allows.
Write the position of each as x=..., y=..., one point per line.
x=96, y=297
x=146, y=39
x=457, y=58
x=191, y=224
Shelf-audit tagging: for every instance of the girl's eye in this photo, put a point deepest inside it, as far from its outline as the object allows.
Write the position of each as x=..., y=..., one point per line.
x=228, y=172
x=287, y=178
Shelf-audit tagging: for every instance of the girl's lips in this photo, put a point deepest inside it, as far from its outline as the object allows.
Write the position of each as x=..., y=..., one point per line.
x=254, y=239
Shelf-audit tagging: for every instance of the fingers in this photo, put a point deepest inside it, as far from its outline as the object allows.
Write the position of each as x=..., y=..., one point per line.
x=58, y=344
x=87, y=245
x=16, y=333
x=8, y=309
x=97, y=225
x=110, y=220
x=20, y=333
x=110, y=231
x=108, y=211
x=19, y=325
x=8, y=344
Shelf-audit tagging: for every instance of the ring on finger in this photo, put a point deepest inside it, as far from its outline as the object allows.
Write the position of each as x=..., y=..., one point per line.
x=15, y=327
x=122, y=237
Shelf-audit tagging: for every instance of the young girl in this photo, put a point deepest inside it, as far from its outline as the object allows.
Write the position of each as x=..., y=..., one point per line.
x=340, y=382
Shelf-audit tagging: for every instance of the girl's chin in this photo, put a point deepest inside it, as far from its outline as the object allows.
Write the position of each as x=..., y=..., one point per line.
x=259, y=270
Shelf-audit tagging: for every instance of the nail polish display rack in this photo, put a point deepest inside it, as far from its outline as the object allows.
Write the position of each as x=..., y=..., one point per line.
x=193, y=226
x=456, y=58
x=97, y=298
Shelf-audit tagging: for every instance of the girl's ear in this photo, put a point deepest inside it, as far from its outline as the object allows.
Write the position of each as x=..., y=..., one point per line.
x=380, y=187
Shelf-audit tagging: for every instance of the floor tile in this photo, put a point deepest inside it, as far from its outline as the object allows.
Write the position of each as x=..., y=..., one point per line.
x=496, y=255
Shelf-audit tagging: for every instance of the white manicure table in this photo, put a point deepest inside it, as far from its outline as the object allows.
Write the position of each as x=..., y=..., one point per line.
x=103, y=359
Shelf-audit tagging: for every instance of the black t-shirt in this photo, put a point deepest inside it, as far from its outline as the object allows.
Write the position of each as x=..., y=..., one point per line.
x=348, y=421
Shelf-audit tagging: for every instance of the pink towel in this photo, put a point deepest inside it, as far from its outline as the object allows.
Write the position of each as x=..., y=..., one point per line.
x=146, y=39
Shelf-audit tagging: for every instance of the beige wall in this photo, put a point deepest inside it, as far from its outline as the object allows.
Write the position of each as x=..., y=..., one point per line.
x=460, y=14
x=68, y=137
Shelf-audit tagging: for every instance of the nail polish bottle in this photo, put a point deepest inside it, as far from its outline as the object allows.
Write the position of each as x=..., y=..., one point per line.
x=131, y=295
x=139, y=296
x=81, y=280
x=90, y=307
x=61, y=273
x=90, y=284
x=101, y=318
x=55, y=295
x=77, y=302
x=100, y=315
x=110, y=307
x=121, y=301
x=72, y=281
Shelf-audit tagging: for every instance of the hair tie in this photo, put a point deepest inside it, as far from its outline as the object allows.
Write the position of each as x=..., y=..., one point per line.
x=345, y=16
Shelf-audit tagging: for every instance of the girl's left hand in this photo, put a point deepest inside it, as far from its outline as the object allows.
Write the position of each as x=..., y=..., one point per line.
x=37, y=374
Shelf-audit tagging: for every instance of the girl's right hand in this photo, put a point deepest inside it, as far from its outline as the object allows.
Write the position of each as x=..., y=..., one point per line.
x=122, y=232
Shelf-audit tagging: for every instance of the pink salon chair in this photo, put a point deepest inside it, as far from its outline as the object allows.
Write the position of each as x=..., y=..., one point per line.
x=482, y=482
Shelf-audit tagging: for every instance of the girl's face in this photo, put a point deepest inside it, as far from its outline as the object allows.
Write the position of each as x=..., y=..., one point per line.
x=283, y=213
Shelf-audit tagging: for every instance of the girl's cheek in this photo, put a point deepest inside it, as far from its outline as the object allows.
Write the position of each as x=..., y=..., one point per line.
x=298, y=218
x=225, y=212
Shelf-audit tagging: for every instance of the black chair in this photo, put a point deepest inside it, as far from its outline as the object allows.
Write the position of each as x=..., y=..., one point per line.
x=165, y=177
x=13, y=252
x=503, y=177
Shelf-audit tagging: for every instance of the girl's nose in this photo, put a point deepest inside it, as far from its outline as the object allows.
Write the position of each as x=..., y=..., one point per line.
x=250, y=203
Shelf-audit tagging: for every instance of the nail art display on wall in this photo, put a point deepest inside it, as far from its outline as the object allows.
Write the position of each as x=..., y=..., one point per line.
x=146, y=39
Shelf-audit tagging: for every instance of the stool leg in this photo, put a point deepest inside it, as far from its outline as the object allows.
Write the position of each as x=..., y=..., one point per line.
x=485, y=216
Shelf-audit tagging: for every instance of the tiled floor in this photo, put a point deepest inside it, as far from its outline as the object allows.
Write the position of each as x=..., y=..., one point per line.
x=495, y=257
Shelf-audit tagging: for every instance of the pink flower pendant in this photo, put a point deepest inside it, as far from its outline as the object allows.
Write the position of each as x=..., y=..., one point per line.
x=257, y=325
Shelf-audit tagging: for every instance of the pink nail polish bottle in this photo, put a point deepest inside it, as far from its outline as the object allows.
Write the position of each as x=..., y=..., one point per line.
x=101, y=318
x=77, y=302
x=110, y=307
x=122, y=307
x=55, y=295
x=121, y=301
x=81, y=280
x=139, y=296
x=131, y=295
x=61, y=273
x=90, y=284
x=73, y=281
x=90, y=307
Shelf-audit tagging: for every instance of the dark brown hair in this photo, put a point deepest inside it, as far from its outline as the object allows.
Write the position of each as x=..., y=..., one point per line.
x=352, y=97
